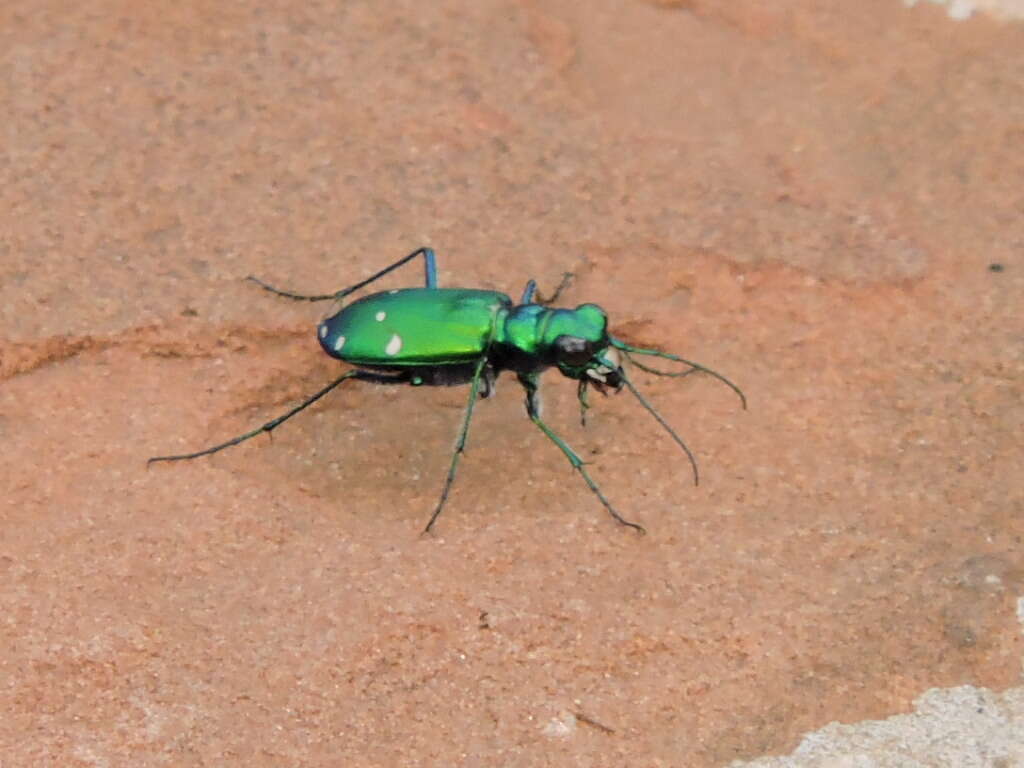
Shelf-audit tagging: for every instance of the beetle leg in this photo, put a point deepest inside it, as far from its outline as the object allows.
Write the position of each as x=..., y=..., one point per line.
x=489, y=380
x=581, y=394
x=529, y=382
x=460, y=444
x=376, y=378
x=530, y=291
x=429, y=268
x=289, y=294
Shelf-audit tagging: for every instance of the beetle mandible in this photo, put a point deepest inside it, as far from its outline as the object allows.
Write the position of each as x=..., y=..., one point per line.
x=435, y=336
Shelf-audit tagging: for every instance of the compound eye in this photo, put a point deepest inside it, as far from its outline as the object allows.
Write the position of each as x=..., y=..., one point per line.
x=574, y=351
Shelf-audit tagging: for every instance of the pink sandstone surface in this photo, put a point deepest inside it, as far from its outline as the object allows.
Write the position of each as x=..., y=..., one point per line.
x=808, y=198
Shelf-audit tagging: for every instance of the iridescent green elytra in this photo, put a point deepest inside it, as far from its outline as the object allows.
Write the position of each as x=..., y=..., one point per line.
x=445, y=336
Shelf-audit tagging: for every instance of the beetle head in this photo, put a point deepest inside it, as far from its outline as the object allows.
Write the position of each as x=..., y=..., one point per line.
x=578, y=344
x=593, y=363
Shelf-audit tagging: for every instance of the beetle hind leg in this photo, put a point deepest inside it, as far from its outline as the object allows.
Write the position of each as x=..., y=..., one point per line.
x=429, y=269
x=290, y=294
x=270, y=426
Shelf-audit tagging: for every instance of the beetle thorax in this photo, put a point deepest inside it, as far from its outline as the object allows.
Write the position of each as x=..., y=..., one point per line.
x=534, y=337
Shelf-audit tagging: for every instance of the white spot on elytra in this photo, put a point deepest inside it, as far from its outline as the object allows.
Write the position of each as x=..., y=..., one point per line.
x=394, y=345
x=394, y=291
x=323, y=330
x=380, y=316
x=339, y=343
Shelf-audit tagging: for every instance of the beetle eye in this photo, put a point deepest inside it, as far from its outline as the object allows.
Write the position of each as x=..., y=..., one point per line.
x=574, y=351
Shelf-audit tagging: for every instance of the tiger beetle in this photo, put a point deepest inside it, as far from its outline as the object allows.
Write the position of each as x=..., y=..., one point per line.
x=435, y=336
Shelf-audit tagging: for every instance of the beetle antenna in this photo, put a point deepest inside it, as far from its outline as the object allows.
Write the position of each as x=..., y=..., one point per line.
x=656, y=372
x=631, y=350
x=650, y=409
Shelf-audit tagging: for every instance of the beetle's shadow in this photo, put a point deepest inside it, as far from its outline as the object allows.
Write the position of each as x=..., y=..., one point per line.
x=383, y=451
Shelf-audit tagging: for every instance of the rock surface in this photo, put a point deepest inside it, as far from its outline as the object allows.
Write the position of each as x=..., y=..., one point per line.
x=823, y=201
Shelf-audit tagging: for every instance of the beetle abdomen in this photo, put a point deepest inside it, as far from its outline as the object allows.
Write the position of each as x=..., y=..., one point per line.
x=415, y=326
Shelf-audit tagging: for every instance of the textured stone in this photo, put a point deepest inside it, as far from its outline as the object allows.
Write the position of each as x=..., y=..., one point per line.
x=822, y=201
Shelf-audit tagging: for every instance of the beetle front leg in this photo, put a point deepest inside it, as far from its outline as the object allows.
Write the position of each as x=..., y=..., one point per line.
x=581, y=395
x=529, y=382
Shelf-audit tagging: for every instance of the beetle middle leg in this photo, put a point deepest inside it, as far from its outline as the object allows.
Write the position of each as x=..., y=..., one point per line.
x=529, y=382
x=429, y=269
x=460, y=445
x=532, y=296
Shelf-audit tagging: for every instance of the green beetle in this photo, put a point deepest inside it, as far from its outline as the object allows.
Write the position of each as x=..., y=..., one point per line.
x=434, y=336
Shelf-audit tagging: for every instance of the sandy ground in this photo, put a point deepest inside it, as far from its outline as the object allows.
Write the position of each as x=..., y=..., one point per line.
x=823, y=201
